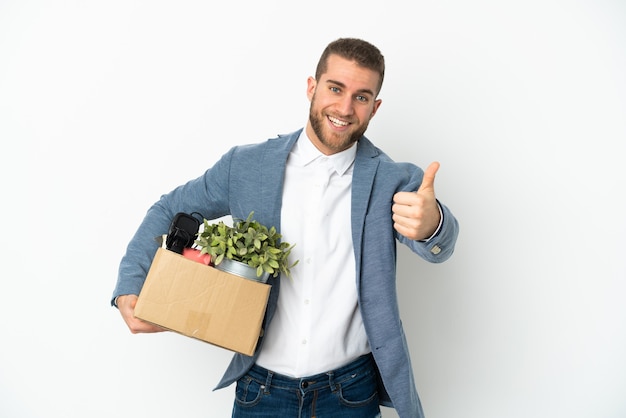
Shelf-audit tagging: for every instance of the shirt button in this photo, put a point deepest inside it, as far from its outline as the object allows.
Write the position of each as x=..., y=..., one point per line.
x=304, y=341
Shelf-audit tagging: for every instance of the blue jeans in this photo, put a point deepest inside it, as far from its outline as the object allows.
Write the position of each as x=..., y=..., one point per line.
x=348, y=392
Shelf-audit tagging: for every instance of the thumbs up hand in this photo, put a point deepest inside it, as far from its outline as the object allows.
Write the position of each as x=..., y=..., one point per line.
x=416, y=214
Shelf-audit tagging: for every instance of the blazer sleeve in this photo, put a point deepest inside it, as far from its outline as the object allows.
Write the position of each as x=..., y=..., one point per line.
x=439, y=247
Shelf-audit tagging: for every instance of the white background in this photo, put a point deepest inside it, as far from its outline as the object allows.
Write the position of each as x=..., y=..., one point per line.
x=105, y=105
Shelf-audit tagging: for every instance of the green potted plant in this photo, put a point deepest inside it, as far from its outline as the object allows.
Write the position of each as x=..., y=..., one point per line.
x=248, y=243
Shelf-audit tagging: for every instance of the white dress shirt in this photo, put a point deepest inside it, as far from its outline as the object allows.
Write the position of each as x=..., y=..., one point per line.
x=317, y=325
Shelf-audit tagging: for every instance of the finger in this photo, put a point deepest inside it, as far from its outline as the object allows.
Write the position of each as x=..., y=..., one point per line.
x=428, y=181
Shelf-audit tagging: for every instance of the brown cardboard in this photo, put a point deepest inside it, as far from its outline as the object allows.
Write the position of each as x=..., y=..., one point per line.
x=202, y=302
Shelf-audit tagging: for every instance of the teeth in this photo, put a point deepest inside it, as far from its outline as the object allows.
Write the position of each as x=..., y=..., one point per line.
x=337, y=121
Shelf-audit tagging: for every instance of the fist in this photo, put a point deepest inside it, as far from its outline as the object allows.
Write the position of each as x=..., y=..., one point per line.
x=416, y=214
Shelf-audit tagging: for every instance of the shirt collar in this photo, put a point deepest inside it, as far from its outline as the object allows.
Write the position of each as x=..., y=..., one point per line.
x=341, y=161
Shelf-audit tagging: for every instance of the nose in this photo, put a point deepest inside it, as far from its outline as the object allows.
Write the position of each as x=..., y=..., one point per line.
x=346, y=106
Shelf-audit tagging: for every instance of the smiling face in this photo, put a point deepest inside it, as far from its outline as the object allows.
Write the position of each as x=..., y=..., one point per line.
x=343, y=100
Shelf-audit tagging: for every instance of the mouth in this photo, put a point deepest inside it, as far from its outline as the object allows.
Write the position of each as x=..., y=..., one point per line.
x=338, y=122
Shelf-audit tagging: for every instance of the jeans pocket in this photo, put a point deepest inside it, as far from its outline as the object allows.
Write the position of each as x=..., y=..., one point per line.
x=248, y=392
x=358, y=389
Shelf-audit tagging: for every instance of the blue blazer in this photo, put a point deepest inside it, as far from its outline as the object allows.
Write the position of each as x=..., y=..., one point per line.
x=250, y=178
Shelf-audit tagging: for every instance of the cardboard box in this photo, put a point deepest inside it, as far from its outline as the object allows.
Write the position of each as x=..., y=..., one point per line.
x=202, y=302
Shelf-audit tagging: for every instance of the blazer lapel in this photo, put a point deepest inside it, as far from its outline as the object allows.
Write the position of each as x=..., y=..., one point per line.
x=272, y=178
x=365, y=166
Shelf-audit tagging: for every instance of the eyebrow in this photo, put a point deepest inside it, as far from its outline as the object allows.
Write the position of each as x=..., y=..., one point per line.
x=340, y=84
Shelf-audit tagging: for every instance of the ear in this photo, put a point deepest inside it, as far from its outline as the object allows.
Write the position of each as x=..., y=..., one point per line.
x=377, y=104
x=311, y=83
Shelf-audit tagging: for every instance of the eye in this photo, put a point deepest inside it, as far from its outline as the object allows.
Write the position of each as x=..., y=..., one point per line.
x=335, y=89
x=362, y=98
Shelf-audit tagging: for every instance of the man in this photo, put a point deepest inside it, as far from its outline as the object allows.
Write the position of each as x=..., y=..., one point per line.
x=333, y=344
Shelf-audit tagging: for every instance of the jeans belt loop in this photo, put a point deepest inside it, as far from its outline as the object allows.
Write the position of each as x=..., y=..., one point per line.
x=268, y=382
x=331, y=381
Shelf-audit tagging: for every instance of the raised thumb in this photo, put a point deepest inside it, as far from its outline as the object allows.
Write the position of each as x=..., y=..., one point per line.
x=428, y=181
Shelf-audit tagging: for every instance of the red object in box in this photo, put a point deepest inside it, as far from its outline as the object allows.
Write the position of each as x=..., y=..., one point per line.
x=196, y=255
